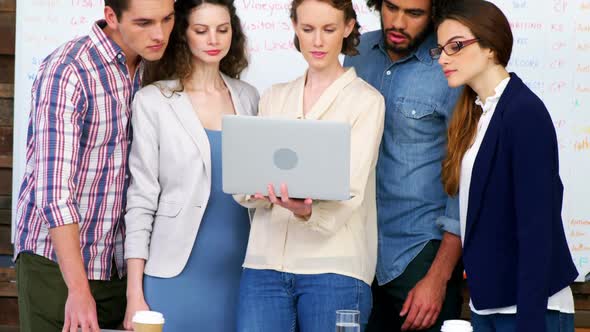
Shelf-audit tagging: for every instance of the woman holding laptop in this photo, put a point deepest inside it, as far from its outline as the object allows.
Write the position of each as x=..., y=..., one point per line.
x=308, y=258
x=186, y=239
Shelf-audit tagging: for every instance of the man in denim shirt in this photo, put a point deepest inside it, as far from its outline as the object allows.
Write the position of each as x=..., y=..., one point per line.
x=418, y=284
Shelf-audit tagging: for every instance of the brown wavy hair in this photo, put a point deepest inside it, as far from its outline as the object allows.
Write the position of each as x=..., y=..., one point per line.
x=351, y=42
x=491, y=27
x=176, y=63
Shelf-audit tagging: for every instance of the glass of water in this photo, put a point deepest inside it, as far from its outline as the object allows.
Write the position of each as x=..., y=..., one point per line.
x=348, y=321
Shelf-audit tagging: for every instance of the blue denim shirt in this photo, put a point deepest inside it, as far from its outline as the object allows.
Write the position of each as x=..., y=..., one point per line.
x=412, y=207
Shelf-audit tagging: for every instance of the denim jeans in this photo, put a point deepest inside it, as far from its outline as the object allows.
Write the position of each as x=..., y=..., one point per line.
x=272, y=301
x=556, y=322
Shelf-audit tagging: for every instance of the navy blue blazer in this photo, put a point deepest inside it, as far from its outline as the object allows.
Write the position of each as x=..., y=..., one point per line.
x=515, y=250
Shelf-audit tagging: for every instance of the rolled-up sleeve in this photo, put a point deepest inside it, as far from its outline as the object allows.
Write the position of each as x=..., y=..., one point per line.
x=59, y=107
x=449, y=222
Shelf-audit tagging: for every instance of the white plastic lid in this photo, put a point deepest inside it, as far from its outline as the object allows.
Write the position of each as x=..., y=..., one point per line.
x=148, y=317
x=456, y=325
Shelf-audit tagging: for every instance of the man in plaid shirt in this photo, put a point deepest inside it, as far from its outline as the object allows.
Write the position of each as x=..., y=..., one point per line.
x=70, y=232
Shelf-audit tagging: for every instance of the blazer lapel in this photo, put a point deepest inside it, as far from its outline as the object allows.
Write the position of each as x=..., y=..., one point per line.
x=485, y=158
x=235, y=94
x=183, y=109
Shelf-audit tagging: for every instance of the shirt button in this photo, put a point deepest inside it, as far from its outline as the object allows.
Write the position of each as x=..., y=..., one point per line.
x=126, y=176
x=413, y=112
x=119, y=56
x=388, y=72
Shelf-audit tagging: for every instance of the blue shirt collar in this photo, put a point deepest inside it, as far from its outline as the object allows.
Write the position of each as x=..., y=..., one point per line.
x=422, y=53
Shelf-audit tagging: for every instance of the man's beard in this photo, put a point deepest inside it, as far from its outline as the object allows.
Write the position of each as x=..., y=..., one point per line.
x=413, y=42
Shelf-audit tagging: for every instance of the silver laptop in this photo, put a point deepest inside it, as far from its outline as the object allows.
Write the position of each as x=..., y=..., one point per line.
x=311, y=156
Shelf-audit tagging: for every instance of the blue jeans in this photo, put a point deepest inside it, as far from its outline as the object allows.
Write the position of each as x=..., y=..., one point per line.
x=556, y=322
x=272, y=301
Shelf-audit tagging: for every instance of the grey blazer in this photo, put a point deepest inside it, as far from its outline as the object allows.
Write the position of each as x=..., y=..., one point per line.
x=170, y=165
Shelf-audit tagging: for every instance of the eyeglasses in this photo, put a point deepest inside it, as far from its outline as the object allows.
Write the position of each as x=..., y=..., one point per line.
x=451, y=47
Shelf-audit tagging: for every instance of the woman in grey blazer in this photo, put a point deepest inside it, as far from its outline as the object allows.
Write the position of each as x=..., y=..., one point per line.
x=185, y=238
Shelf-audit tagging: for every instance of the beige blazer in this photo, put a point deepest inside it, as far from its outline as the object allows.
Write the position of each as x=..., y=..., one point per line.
x=170, y=165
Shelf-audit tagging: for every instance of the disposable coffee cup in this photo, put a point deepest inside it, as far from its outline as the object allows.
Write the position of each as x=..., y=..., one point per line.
x=456, y=325
x=148, y=321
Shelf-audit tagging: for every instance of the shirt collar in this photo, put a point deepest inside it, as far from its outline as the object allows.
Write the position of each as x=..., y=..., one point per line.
x=326, y=98
x=105, y=45
x=422, y=53
x=492, y=100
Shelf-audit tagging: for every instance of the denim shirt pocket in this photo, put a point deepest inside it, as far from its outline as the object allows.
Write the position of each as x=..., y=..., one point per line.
x=417, y=122
x=416, y=111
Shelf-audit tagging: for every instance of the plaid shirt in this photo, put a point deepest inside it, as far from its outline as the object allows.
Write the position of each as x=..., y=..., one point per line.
x=77, y=147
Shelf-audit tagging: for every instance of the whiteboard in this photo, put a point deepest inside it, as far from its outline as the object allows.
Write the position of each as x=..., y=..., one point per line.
x=551, y=54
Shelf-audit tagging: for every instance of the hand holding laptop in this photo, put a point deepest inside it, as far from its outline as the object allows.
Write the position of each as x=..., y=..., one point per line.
x=300, y=207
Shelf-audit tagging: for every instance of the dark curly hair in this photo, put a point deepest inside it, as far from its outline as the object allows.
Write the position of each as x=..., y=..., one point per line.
x=436, y=5
x=176, y=63
x=351, y=42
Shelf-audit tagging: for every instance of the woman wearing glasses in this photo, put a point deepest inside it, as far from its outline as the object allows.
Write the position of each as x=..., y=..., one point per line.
x=502, y=161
